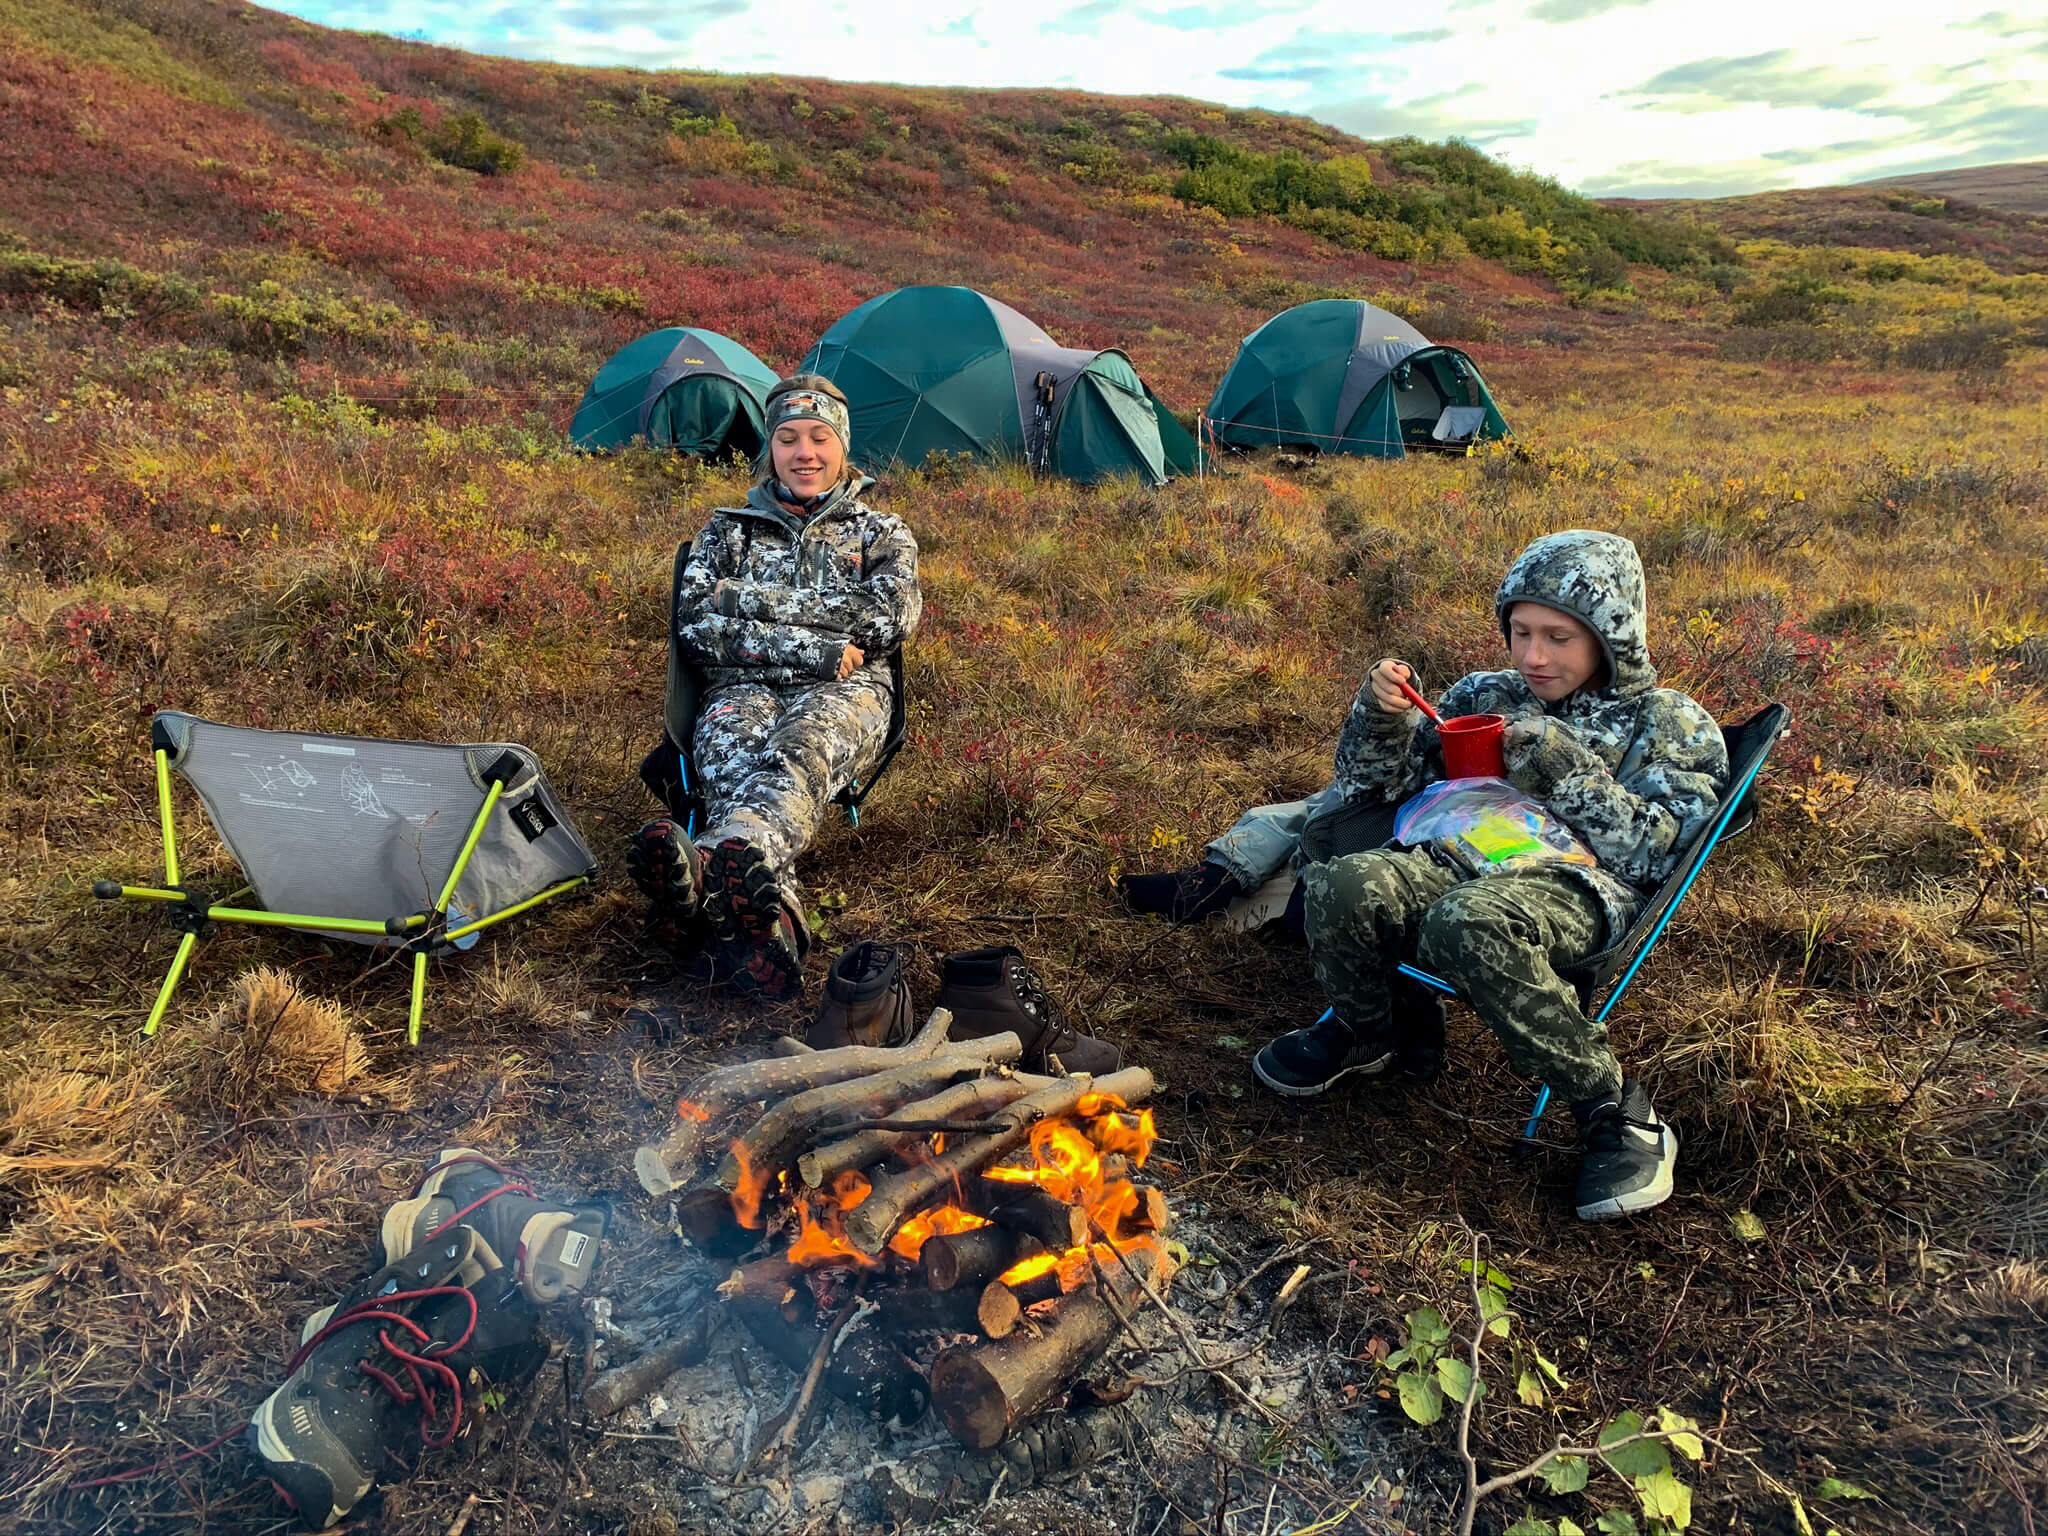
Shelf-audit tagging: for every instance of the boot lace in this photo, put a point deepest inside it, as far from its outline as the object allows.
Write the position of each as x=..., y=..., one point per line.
x=417, y=1371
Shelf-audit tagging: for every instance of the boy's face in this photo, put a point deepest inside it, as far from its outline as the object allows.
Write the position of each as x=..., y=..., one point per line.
x=1554, y=652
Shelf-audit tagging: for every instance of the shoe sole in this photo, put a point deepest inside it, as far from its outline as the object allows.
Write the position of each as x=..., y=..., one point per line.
x=1653, y=1194
x=1375, y=1068
x=654, y=863
x=740, y=894
x=744, y=901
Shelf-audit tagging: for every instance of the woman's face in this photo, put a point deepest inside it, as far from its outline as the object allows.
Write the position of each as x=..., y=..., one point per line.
x=808, y=458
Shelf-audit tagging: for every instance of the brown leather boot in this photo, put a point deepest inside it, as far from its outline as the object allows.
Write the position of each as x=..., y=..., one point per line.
x=867, y=999
x=992, y=989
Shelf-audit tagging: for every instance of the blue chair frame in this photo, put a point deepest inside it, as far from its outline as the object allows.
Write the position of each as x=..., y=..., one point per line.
x=1749, y=744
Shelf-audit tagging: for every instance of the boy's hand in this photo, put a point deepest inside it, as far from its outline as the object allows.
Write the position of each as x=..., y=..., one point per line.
x=850, y=661
x=1542, y=753
x=1386, y=678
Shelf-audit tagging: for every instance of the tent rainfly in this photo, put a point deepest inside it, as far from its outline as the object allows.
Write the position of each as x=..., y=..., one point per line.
x=1344, y=376
x=691, y=390
x=949, y=370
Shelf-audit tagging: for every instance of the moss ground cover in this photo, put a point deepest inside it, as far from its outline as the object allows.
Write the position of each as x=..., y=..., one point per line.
x=281, y=411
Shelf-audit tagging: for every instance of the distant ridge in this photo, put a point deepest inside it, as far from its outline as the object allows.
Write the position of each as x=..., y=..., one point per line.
x=2019, y=186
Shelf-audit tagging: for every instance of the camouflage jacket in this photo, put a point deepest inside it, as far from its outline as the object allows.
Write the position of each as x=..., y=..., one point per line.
x=769, y=595
x=1634, y=769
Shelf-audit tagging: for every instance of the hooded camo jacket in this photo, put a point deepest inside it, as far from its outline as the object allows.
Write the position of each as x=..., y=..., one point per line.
x=1634, y=769
x=770, y=595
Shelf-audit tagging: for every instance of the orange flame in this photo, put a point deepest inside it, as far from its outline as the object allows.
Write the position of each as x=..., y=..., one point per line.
x=911, y=1237
x=691, y=1111
x=1068, y=1162
x=746, y=1195
x=821, y=1224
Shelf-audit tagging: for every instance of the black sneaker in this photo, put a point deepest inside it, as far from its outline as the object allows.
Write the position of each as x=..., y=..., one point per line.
x=1306, y=1062
x=1182, y=895
x=867, y=999
x=1625, y=1155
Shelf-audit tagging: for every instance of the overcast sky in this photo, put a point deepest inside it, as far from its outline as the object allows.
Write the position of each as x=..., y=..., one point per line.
x=1613, y=97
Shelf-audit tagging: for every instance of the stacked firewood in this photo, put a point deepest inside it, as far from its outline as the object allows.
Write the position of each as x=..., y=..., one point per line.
x=922, y=1225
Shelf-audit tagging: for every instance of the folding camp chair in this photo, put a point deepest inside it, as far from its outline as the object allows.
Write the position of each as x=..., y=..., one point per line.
x=406, y=844
x=670, y=770
x=1596, y=979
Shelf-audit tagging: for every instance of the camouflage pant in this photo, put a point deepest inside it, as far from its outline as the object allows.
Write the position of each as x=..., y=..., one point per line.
x=772, y=758
x=1500, y=940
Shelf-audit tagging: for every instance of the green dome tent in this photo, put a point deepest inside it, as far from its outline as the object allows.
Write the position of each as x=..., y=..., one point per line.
x=694, y=391
x=1345, y=376
x=949, y=370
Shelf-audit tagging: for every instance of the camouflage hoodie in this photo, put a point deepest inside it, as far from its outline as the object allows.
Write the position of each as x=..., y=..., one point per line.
x=770, y=595
x=1633, y=769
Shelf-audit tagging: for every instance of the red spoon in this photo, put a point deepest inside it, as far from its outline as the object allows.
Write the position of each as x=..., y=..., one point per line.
x=1420, y=703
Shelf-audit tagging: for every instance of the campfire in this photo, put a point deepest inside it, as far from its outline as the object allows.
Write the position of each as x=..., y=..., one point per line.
x=922, y=1226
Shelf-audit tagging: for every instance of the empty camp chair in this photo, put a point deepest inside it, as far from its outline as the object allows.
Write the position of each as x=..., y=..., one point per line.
x=670, y=770
x=398, y=843
x=1749, y=744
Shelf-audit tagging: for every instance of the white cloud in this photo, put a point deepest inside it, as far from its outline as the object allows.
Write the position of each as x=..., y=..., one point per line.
x=1607, y=95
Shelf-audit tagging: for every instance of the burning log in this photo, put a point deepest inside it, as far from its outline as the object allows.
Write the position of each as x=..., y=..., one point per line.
x=1035, y=1213
x=663, y=1166
x=1152, y=1214
x=984, y=1391
x=970, y=1258
x=1000, y=1308
x=866, y=1368
x=792, y=1124
x=896, y=1196
x=864, y=1149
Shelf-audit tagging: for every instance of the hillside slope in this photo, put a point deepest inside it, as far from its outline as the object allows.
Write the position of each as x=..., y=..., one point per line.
x=321, y=175
x=2019, y=186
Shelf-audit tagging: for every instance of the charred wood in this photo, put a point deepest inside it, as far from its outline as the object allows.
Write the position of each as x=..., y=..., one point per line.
x=861, y=1149
x=866, y=1367
x=1036, y=1213
x=984, y=1391
x=970, y=1258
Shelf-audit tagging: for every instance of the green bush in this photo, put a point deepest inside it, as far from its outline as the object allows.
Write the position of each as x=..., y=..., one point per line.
x=466, y=140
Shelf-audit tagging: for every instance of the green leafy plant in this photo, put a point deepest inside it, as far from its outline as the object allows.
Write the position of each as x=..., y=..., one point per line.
x=1435, y=1367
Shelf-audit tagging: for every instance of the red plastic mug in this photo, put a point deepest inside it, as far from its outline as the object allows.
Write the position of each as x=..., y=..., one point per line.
x=1472, y=746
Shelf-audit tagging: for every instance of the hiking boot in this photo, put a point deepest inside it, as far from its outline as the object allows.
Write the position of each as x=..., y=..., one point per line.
x=867, y=999
x=550, y=1248
x=1182, y=895
x=772, y=964
x=1625, y=1155
x=992, y=990
x=1306, y=1062
x=663, y=865
x=400, y=1342
x=764, y=938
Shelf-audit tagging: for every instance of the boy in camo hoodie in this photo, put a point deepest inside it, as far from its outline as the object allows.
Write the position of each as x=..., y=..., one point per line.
x=789, y=607
x=1633, y=769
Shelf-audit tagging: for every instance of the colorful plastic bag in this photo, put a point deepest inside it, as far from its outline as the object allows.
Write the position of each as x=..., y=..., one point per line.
x=1488, y=824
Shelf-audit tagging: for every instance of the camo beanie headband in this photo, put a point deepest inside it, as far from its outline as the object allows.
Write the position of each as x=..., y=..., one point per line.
x=808, y=397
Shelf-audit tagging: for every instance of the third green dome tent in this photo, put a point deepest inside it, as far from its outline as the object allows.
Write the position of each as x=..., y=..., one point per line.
x=1344, y=376
x=684, y=388
x=949, y=370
